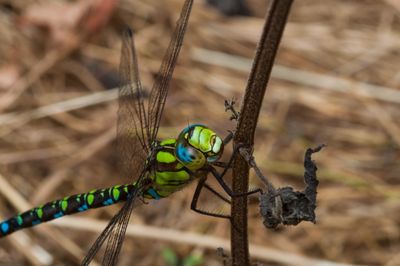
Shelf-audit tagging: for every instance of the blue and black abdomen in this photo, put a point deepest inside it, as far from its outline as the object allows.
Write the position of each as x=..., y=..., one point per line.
x=68, y=205
x=170, y=174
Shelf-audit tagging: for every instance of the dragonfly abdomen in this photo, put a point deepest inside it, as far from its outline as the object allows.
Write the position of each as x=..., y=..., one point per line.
x=66, y=206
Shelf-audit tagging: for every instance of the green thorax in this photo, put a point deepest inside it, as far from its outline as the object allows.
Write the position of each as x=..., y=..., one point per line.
x=177, y=161
x=169, y=174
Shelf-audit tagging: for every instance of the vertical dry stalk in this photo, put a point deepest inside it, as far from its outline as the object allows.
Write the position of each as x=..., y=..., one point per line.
x=266, y=50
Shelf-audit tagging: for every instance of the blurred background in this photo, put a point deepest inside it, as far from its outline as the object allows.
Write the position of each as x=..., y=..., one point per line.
x=336, y=81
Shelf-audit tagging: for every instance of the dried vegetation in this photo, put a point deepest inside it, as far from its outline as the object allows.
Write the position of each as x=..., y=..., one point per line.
x=336, y=81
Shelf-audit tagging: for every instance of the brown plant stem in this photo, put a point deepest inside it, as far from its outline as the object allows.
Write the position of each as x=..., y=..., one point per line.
x=256, y=86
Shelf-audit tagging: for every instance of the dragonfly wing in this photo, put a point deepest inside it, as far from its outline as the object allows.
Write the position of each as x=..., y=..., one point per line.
x=159, y=91
x=117, y=236
x=132, y=129
x=136, y=129
x=132, y=142
x=115, y=231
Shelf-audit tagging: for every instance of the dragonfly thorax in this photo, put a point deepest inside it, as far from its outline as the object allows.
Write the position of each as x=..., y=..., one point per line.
x=198, y=145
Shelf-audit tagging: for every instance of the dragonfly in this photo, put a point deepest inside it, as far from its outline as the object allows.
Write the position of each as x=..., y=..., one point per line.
x=157, y=168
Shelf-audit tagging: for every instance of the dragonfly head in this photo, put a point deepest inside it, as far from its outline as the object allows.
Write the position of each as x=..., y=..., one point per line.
x=198, y=145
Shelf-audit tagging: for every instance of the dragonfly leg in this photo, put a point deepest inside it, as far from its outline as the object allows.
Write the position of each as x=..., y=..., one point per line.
x=216, y=193
x=221, y=164
x=229, y=137
x=246, y=154
x=193, y=205
x=227, y=189
x=226, y=167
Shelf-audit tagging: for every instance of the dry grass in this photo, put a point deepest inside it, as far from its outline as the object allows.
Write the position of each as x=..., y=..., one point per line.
x=336, y=81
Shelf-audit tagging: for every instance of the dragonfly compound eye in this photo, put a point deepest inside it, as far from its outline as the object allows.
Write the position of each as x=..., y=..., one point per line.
x=189, y=156
x=198, y=143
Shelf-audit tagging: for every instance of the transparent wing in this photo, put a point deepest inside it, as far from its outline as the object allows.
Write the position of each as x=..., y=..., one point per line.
x=115, y=230
x=136, y=130
x=133, y=146
x=132, y=129
x=159, y=91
